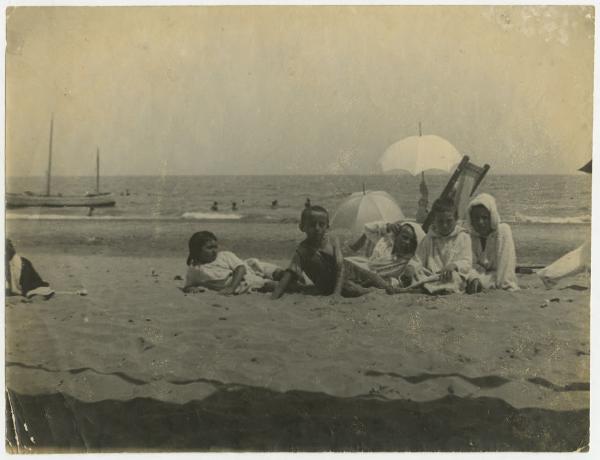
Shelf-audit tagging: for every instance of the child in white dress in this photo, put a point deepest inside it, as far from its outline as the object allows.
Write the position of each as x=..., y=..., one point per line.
x=223, y=271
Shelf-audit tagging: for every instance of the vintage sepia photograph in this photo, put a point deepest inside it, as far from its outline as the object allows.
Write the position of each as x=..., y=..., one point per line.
x=298, y=228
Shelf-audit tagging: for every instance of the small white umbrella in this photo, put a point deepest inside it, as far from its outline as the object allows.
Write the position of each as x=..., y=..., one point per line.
x=363, y=207
x=416, y=154
x=420, y=153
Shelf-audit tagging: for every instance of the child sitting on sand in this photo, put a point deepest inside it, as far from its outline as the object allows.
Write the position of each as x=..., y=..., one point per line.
x=494, y=257
x=223, y=271
x=444, y=254
x=320, y=257
x=394, y=245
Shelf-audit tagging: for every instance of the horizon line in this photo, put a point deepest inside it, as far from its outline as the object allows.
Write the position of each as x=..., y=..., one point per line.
x=575, y=173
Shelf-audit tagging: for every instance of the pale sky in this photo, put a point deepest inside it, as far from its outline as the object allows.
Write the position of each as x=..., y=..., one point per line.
x=295, y=90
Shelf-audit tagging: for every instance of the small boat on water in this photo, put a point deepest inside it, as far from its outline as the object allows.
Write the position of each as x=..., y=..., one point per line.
x=28, y=199
x=88, y=200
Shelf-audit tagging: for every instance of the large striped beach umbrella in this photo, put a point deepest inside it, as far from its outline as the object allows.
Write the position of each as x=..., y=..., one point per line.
x=363, y=207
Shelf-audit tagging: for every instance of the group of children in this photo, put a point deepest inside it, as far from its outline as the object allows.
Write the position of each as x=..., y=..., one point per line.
x=449, y=258
x=452, y=257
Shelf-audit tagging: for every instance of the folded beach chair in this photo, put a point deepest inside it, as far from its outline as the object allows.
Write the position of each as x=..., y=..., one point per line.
x=461, y=186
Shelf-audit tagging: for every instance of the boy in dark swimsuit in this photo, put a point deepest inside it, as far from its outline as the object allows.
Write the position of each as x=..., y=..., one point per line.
x=320, y=257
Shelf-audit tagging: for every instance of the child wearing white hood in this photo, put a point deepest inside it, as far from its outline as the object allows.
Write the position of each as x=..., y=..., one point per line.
x=394, y=245
x=493, y=248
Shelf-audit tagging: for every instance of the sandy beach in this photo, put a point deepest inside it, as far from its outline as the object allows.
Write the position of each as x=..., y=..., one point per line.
x=139, y=365
x=130, y=129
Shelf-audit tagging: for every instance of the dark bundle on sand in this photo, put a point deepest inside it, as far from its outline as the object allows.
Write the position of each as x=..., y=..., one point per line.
x=21, y=276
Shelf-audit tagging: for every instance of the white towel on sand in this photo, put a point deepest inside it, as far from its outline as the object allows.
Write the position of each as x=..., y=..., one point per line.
x=570, y=264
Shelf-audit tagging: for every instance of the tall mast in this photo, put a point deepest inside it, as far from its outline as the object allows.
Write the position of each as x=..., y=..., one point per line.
x=97, y=169
x=49, y=172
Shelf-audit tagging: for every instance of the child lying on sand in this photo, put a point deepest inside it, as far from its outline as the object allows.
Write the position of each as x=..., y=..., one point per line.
x=445, y=251
x=223, y=271
x=320, y=257
x=394, y=246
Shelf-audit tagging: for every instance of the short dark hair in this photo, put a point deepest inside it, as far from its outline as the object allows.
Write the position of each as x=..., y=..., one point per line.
x=197, y=242
x=444, y=205
x=307, y=211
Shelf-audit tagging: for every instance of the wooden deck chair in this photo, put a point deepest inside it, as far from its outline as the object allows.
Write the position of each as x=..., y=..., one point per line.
x=461, y=186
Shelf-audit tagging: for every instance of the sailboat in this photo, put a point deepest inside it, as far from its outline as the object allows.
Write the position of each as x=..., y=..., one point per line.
x=89, y=200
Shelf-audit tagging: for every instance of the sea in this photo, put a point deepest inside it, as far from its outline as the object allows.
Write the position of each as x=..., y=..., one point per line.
x=552, y=199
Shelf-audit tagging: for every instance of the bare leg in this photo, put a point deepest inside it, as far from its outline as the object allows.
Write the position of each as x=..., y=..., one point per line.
x=269, y=286
x=351, y=289
x=364, y=277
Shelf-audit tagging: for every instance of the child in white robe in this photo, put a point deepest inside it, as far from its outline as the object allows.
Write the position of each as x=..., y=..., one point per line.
x=494, y=256
x=445, y=251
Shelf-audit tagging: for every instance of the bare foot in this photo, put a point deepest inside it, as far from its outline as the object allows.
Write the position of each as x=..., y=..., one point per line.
x=474, y=286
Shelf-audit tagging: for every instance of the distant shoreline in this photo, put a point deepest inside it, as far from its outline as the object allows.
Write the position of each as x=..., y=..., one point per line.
x=536, y=243
x=573, y=174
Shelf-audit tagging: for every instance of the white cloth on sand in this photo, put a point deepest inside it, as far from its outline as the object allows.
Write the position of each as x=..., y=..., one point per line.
x=494, y=265
x=218, y=274
x=570, y=264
